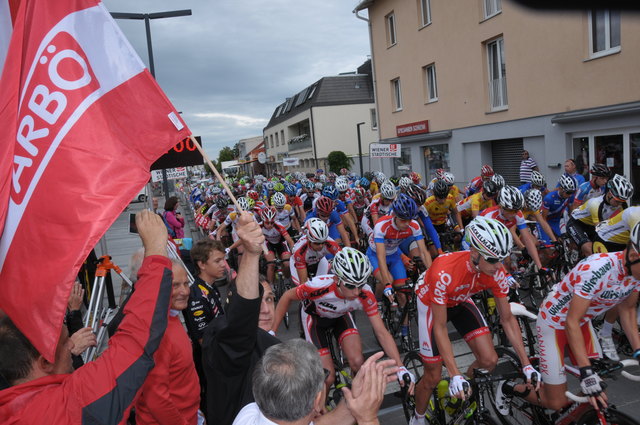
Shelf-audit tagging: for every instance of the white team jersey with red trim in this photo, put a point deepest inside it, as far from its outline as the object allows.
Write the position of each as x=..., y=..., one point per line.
x=304, y=256
x=322, y=292
x=600, y=278
x=275, y=234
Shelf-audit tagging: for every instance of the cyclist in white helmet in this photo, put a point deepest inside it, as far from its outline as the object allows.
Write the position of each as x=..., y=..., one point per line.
x=444, y=294
x=311, y=252
x=330, y=299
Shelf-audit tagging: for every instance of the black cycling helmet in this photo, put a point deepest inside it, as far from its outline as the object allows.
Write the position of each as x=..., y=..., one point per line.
x=600, y=170
x=490, y=188
x=440, y=189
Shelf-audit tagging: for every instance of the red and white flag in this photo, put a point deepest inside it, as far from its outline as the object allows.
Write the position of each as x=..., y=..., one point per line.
x=83, y=120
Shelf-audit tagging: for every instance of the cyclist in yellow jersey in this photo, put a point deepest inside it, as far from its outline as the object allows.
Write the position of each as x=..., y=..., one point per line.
x=531, y=211
x=440, y=205
x=614, y=233
x=470, y=207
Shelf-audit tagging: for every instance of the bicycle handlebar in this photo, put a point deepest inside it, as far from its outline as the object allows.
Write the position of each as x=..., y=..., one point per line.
x=625, y=363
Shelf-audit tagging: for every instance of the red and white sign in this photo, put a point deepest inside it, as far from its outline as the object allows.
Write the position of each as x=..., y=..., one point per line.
x=172, y=174
x=83, y=121
x=379, y=150
x=412, y=128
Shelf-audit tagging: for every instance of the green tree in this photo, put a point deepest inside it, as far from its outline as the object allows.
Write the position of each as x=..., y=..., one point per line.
x=227, y=154
x=338, y=160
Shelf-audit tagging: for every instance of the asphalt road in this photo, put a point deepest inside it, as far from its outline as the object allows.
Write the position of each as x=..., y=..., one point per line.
x=121, y=245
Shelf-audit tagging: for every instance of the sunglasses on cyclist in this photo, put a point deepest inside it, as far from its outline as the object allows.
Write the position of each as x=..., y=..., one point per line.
x=569, y=192
x=492, y=260
x=350, y=285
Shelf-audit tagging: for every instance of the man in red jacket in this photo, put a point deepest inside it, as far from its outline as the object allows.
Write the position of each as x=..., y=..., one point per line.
x=101, y=391
x=171, y=393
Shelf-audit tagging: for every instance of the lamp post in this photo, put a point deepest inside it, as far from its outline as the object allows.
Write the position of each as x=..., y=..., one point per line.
x=360, y=145
x=146, y=17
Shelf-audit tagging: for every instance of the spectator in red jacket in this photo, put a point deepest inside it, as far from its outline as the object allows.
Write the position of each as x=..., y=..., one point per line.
x=171, y=393
x=41, y=392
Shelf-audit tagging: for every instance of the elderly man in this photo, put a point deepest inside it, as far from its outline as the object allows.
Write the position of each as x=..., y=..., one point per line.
x=527, y=166
x=288, y=384
x=51, y=392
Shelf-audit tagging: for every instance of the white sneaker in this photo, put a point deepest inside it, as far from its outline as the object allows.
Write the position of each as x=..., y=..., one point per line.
x=502, y=400
x=609, y=348
x=417, y=421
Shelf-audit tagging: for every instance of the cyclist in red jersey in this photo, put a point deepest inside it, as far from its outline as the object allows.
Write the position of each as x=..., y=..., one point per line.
x=444, y=294
x=310, y=253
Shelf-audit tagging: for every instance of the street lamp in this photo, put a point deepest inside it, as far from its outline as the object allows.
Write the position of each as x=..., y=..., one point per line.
x=360, y=145
x=146, y=17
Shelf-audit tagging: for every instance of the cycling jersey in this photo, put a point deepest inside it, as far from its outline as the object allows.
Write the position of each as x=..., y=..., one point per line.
x=586, y=191
x=333, y=219
x=387, y=233
x=452, y=279
x=474, y=203
x=495, y=213
x=453, y=190
x=325, y=301
x=437, y=211
x=594, y=211
x=618, y=228
x=529, y=185
x=600, y=278
x=304, y=256
x=376, y=207
x=275, y=234
x=307, y=200
x=284, y=216
x=474, y=186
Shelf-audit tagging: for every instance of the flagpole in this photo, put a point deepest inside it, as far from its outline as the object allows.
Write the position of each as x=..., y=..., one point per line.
x=220, y=179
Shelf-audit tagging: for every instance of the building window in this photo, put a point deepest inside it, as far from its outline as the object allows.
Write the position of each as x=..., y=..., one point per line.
x=397, y=94
x=277, y=139
x=374, y=119
x=391, y=29
x=282, y=137
x=492, y=8
x=435, y=157
x=604, y=26
x=271, y=137
x=431, y=84
x=425, y=12
x=497, y=75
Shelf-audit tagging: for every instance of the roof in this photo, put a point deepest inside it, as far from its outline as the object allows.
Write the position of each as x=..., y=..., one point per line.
x=346, y=89
x=364, y=4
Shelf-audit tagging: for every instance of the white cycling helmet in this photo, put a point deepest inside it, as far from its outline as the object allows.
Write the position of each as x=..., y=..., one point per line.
x=352, y=266
x=533, y=199
x=316, y=230
x=380, y=177
x=404, y=183
x=448, y=178
x=568, y=183
x=510, y=198
x=278, y=200
x=489, y=237
x=322, y=178
x=388, y=190
x=342, y=185
x=243, y=203
x=319, y=185
x=620, y=187
x=499, y=180
x=537, y=179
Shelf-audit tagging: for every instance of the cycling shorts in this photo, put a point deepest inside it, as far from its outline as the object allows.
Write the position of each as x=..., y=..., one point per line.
x=394, y=264
x=315, y=330
x=552, y=345
x=580, y=232
x=278, y=248
x=465, y=317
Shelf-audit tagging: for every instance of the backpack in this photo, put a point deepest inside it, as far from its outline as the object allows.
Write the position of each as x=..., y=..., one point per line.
x=172, y=232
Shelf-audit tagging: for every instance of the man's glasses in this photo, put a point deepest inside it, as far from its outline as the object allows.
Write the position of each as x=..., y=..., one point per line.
x=350, y=285
x=492, y=260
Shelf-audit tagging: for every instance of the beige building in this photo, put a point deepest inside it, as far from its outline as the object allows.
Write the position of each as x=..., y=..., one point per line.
x=322, y=118
x=488, y=78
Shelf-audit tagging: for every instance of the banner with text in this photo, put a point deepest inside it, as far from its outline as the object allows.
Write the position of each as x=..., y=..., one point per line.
x=379, y=150
x=290, y=162
x=172, y=174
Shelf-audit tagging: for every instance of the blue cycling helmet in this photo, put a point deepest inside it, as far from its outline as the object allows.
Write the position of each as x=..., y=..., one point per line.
x=405, y=207
x=330, y=192
x=364, y=182
x=290, y=189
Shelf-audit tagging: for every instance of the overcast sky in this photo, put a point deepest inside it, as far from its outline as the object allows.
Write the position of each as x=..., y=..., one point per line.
x=232, y=62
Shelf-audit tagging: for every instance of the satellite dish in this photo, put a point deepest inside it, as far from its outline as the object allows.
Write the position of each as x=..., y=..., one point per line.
x=262, y=157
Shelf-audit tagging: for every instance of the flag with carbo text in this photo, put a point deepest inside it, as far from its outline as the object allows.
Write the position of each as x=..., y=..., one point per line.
x=83, y=120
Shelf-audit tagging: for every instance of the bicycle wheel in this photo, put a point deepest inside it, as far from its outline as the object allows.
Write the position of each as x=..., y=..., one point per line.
x=482, y=419
x=613, y=417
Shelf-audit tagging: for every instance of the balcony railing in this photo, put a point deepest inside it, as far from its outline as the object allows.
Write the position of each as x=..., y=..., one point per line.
x=300, y=142
x=498, y=94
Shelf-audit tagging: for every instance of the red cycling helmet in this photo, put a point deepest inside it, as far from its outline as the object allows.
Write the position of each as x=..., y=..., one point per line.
x=268, y=214
x=253, y=194
x=486, y=171
x=324, y=206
